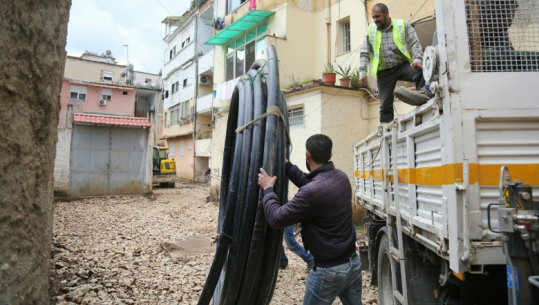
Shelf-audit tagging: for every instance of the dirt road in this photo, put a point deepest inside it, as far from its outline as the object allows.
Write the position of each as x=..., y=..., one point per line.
x=134, y=250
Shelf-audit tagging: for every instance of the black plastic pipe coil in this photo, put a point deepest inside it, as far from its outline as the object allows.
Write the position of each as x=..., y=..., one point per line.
x=245, y=266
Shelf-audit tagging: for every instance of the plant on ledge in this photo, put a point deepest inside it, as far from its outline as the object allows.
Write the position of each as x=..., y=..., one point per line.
x=346, y=74
x=329, y=75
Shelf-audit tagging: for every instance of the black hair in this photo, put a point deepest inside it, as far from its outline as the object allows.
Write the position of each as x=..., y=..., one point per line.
x=319, y=146
x=380, y=6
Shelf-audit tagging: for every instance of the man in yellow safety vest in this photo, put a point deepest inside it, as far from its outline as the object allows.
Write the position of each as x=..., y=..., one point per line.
x=395, y=53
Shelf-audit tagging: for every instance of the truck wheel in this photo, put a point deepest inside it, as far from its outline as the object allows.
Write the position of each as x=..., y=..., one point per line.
x=171, y=185
x=385, y=279
x=163, y=184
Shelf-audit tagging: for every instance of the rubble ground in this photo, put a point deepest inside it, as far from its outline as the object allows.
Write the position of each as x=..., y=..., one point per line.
x=128, y=250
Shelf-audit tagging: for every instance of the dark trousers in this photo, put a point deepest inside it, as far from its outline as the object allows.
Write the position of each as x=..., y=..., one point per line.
x=387, y=80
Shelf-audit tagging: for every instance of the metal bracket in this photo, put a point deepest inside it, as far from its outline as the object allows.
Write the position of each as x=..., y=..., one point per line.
x=506, y=219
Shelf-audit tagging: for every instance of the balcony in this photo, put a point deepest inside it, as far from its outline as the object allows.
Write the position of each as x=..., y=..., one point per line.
x=177, y=61
x=205, y=63
x=204, y=104
x=203, y=148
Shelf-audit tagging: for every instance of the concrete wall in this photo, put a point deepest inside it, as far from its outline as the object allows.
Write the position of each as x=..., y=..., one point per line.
x=184, y=164
x=90, y=71
x=345, y=121
x=32, y=45
x=62, y=161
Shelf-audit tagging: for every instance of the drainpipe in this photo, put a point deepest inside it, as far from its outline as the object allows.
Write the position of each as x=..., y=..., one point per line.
x=196, y=96
x=328, y=26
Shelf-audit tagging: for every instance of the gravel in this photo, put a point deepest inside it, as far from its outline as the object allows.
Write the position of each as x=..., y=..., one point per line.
x=157, y=250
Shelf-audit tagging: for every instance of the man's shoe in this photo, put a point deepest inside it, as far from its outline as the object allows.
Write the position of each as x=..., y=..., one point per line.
x=412, y=97
x=283, y=264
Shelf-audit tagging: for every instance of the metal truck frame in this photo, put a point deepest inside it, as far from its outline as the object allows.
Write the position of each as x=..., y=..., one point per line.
x=427, y=183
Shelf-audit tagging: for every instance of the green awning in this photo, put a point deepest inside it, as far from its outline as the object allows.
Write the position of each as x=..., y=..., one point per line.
x=239, y=27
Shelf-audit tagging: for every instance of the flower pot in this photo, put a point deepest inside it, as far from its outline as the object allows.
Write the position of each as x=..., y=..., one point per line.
x=329, y=78
x=345, y=82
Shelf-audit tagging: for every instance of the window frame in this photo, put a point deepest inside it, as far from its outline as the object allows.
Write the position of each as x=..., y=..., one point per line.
x=171, y=149
x=106, y=97
x=189, y=144
x=345, y=36
x=105, y=75
x=260, y=32
x=291, y=116
x=78, y=90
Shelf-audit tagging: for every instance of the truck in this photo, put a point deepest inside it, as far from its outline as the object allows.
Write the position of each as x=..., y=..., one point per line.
x=451, y=190
x=164, y=169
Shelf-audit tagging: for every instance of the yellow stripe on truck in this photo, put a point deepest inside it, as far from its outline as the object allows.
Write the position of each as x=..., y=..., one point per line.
x=484, y=174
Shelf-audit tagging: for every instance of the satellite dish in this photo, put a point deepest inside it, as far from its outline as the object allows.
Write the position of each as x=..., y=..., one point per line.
x=123, y=73
x=109, y=53
x=132, y=76
x=110, y=61
x=156, y=86
x=147, y=85
x=102, y=54
x=131, y=67
x=138, y=85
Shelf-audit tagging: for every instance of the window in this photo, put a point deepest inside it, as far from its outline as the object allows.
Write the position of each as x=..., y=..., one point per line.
x=107, y=75
x=185, y=82
x=106, y=94
x=165, y=121
x=185, y=109
x=345, y=35
x=190, y=144
x=245, y=50
x=295, y=117
x=172, y=52
x=166, y=94
x=186, y=42
x=124, y=92
x=175, y=87
x=78, y=93
x=172, y=149
x=174, y=115
x=182, y=148
x=147, y=80
x=233, y=4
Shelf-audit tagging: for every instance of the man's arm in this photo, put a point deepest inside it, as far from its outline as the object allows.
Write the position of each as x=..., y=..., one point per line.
x=414, y=46
x=365, y=57
x=296, y=175
x=296, y=210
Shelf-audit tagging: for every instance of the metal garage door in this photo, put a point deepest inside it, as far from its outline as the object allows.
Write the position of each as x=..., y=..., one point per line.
x=107, y=161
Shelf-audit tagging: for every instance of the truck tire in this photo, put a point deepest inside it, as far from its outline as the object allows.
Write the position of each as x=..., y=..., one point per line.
x=385, y=269
x=171, y=185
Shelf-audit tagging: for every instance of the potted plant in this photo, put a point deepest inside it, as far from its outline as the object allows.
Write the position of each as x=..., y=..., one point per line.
x=329, y=74
x=346, y=74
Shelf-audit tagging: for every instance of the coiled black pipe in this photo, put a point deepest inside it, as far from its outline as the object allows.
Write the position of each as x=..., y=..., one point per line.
x=248, y=249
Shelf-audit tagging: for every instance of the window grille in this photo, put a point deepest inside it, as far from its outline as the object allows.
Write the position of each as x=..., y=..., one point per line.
x=295, y=117
x=503, y=35
x=346, y=37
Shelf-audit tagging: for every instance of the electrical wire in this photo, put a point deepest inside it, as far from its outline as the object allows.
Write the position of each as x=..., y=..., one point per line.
x=418, y=10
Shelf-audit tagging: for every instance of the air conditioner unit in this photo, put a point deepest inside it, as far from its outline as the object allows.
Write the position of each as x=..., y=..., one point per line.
x=102, y=103
x=204, y=80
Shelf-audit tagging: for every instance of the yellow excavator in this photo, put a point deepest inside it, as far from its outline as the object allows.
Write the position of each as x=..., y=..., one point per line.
x=164, y=169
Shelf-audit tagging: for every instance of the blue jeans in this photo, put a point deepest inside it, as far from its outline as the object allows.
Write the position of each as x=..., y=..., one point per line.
x=294, y=246
x=325, y=284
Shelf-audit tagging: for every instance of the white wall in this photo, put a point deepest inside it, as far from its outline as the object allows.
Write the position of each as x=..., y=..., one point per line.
x=184, y=93
x=61, y=163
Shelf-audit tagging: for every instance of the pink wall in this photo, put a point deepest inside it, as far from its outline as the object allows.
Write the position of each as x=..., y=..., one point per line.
x=120, y=104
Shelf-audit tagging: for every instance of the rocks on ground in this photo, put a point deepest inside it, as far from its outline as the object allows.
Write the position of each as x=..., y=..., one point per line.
x=136, y=250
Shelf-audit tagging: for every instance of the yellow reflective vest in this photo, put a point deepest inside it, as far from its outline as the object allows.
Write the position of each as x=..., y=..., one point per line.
x=399, y=36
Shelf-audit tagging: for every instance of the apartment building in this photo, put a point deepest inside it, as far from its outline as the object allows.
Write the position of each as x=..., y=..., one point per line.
x=187, y=90
x=306, y=35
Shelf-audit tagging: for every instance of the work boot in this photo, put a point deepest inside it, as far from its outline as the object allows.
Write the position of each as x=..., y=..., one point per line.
x=283, y=264
x=413, y=97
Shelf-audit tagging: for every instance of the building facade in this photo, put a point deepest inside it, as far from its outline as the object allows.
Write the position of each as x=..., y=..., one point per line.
x=306, y=35
x=187, y=90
